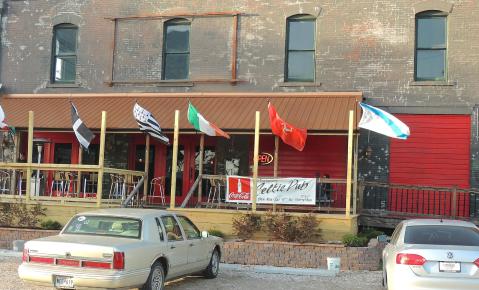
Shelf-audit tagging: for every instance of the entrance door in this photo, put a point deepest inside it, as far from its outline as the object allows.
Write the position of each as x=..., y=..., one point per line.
x=140, y=163
x=181, y=165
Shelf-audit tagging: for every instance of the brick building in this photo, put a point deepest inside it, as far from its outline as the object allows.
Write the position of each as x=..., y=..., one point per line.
x=414, y=58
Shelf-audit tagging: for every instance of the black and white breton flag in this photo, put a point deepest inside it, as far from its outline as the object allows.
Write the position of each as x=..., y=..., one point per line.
x=147, y=123
x=83, y=134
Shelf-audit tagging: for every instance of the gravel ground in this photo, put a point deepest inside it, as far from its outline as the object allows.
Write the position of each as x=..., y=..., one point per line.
x=242, y=280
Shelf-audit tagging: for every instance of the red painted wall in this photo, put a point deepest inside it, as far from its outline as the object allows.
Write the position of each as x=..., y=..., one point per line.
x=436, y=154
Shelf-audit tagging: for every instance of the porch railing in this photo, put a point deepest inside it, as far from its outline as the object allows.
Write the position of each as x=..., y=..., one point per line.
x=210, y=192
x=66, y=183
x=405, y=201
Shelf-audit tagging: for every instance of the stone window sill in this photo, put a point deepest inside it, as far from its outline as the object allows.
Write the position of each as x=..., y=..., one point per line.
x=433, y=83
x=62, y=85
x=299, y=84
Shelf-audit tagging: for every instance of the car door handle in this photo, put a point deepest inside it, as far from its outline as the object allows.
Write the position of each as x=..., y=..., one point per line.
x=172, y=247
x=192, y=245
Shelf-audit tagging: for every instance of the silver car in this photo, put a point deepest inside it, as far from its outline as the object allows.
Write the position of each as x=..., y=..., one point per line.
x=121, y=249
x=432, y=254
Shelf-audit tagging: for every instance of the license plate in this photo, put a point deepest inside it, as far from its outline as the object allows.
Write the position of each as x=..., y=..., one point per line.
x=449, y=267
x=64, y=282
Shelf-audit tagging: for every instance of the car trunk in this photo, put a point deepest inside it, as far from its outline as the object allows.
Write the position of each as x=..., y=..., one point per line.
x=71, y=250
x=445, y=261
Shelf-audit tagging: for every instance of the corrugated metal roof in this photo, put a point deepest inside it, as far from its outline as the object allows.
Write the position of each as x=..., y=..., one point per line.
x=319, y=111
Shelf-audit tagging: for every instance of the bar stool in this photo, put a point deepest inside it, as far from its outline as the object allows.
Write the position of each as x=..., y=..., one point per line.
x=157, y=186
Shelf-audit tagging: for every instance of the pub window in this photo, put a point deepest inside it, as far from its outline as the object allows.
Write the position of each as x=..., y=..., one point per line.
x=431, y=46
x=64, y=53
x=176, y=49
x=300, y=48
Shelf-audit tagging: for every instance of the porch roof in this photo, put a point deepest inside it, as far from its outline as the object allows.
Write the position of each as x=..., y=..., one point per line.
x=316, y=111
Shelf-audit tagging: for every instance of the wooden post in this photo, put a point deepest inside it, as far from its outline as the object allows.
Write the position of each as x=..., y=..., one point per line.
x=80, y=160
x=147, y=166
x=13, y=181
x=355, y=175
x=350, y=161
x=200, y=169
x=101, y=162
x=29, y=155
x=174, y=164
x=275, y=163
x=255, y=162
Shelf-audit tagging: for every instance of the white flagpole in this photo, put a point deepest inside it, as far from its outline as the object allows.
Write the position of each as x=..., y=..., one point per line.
x=175, y=160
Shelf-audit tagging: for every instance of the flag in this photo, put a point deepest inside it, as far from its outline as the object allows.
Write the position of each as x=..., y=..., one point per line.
x=295, y=137
x=2, y=118
x=201, y=124
x=83, y=134
x=147, y=123
x=382, y=122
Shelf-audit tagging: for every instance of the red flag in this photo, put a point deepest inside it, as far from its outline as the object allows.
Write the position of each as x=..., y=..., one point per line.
x=295, y=137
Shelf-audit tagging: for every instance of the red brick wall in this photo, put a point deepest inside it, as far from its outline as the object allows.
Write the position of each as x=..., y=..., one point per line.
x=8, y=235
x=283, y=254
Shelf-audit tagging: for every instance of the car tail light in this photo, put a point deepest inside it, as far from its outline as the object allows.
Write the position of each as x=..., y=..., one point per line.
x=25, y=255
x=118, y=260
x=410, y=259
x=477, y=262
x=102, y=265
x=42, y=260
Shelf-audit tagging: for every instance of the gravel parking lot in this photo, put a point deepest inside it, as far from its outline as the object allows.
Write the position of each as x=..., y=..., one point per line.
x=228, y=279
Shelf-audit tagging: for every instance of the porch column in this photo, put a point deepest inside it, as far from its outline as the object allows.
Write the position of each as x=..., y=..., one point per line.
x=101, y=162
x=147, y=166
x=200, y=169
x=174, y=164
x=355, y=174
x=350, y=161
x=29, y=155
x=255, y=162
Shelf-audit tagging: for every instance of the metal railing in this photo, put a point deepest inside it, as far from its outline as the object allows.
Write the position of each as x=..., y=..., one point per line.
x=384, y=199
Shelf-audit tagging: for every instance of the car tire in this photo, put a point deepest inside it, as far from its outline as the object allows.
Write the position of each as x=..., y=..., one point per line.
x=213, y=267
x=156, y=279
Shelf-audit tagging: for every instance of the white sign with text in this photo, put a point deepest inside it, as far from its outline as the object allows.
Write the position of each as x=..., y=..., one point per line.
x=272, y=190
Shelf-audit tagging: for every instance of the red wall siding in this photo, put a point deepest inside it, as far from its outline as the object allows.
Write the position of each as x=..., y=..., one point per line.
x=436, y=154
x=322, y=154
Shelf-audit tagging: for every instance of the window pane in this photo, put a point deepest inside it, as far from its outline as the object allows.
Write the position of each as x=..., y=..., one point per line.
x=173, y=231
x=104, y=226
x=190, y=229
x=176, y=66
x=177, y=38
x=65, y=41
x=442, y=235
x=65, y=69
x=301, y=65
x=301, y=35
x=430, y=64
x=63, y=153
x=431, y=32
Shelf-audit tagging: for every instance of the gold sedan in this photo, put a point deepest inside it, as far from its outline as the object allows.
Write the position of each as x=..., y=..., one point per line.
x=121, y=249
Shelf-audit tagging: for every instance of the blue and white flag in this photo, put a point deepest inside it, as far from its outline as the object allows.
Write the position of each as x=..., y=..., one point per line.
x=382, y=122
x=148, y=123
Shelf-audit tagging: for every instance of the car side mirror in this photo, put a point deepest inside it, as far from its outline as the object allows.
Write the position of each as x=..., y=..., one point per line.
x=204, y=234
x=384, y=239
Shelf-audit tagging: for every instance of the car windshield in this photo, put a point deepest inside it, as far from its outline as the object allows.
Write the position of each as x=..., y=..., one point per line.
x=104, y=226
x=442, y=235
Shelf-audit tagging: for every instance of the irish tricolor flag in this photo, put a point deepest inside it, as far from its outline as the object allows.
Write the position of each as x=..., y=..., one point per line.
x=201, y=124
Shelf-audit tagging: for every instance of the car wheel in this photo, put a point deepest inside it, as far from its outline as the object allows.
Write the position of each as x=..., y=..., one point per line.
x=214, y=266
x=156, y=280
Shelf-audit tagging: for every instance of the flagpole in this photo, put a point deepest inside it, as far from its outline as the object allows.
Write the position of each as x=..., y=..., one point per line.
x=350, y=161
x=80, y=160
x=255, y=162
x=175, y=160
x=200, y=169
x=275, y=164
x=147, y=166
x=101, y=160
x=29, y=155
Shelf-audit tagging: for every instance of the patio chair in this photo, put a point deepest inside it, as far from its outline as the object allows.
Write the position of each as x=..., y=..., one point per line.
x=117, y=186
x=4, y=182
x=157, y=190
x=57, y=187
x=214, y=194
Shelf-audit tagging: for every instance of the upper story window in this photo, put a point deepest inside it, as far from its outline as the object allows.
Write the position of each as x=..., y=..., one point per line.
x=176, y=49
x=64, y=53
x=431, y=46
x=300, y=48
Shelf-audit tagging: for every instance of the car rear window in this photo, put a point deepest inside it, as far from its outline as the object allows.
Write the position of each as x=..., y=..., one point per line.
x=104, y=226
x=442, y=235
